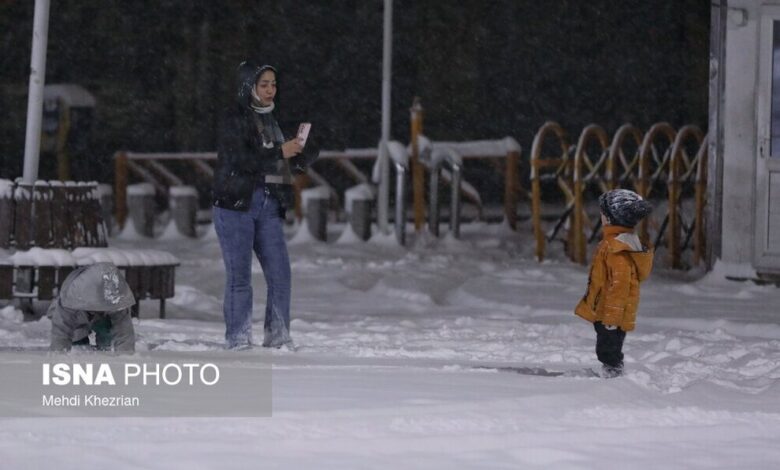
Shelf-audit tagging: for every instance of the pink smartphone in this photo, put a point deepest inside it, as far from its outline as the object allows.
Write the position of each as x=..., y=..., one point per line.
x=303, y=132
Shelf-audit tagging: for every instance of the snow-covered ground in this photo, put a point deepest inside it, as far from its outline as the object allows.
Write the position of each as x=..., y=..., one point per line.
x=398, y=366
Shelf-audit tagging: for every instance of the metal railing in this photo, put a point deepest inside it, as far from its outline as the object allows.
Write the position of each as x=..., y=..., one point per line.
x=152, y=168
x=439, y=158
x=666, y=166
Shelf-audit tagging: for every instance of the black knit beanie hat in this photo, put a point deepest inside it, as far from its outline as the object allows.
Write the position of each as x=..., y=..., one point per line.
x=623, y=207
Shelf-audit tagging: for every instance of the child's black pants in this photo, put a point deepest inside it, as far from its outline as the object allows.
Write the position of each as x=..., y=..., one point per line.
x=609, y=345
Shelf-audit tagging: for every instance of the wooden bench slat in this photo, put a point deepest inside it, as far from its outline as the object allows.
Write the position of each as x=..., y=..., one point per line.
x=23, y=221
x=41, y=213
x=61, y=236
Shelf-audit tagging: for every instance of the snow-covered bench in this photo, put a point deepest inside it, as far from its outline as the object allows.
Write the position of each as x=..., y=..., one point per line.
x=37, y=273
x=49, y=229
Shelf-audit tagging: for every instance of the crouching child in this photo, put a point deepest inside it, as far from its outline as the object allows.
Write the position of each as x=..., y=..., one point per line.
x=620, y=264
x=95, y=299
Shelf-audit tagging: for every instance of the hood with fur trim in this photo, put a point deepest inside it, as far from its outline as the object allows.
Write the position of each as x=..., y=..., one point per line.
x=641, y=255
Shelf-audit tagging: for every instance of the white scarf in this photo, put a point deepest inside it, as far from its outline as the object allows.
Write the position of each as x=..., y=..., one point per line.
x=257, y=107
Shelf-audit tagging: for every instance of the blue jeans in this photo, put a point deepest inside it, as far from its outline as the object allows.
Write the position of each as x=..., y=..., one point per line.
x=240, y=233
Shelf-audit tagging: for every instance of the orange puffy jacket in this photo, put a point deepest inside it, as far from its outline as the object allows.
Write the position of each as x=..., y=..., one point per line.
x=621, y=262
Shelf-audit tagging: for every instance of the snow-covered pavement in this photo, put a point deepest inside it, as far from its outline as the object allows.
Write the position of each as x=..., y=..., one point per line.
x=398, y=363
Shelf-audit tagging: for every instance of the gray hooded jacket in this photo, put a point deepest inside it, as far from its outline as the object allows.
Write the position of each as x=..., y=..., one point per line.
x=97, y=298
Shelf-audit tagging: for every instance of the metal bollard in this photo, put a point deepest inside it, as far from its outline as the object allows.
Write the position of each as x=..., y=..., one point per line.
x=359, y=201
x=140, y=201
x=360, y=218
x=184, y=208
x=400, y=204
x=315, y=207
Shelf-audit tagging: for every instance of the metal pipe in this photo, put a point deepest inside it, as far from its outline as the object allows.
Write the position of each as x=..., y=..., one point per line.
x=510, y=188
x=433, y=200
x=400, y=204
x=418, y=172
x=455, y=202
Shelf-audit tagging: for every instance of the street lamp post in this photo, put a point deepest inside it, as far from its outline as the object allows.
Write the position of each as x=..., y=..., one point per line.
x=384, y=166
x=32, y=144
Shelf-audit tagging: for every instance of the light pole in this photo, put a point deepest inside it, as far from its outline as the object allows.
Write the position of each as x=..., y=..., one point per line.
x=384, y=166
x=32, y=144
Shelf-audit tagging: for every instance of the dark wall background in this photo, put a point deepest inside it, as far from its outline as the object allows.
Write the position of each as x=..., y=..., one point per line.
x=163, y=70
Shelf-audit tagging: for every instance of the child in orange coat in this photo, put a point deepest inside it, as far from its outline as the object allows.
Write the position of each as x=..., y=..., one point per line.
x=620, y=263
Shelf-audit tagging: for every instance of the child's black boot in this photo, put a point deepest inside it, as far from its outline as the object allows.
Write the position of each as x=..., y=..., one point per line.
x=610, y=372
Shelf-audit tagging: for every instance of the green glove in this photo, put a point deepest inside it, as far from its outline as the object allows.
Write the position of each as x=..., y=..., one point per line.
x=102, y=329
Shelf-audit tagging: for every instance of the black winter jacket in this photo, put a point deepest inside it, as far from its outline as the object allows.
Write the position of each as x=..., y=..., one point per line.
x=242, y=160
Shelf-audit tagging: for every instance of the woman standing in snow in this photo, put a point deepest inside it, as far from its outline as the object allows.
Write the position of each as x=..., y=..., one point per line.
x=252, y=190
